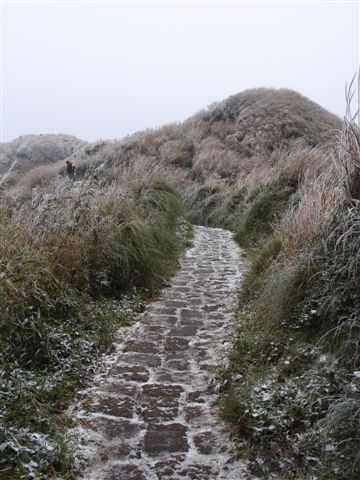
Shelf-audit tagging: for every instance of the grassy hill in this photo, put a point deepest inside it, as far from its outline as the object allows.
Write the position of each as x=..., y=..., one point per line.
x=30, y=151
x=283, y=174
x=229, y=140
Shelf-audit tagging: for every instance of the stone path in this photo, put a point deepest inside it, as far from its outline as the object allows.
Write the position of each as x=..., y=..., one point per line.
x=151, y=416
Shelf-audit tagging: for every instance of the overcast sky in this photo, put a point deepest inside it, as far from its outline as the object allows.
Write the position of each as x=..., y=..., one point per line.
x=107, y=69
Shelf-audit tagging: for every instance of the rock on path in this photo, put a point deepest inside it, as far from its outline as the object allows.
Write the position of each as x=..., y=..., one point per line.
x=152, y=415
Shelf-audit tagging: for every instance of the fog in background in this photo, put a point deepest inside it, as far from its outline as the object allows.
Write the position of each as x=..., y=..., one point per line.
x=104, y=70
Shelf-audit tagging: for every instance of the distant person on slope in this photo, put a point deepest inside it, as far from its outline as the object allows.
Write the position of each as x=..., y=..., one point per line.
x=70, y=169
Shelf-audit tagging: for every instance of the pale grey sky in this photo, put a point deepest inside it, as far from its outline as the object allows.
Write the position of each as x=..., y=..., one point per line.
x=107, y=69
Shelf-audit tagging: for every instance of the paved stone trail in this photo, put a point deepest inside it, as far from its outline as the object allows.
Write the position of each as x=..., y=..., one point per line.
x=151, y=416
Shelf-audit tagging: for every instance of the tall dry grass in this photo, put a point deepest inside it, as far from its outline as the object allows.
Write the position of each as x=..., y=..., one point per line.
x=88, y=236
x=291, y=387
x=66, y=255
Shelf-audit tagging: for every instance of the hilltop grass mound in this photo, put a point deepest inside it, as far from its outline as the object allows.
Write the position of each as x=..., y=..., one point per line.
x=230, y=143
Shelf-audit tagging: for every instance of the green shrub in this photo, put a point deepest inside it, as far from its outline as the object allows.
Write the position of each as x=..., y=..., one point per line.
x=213, y=207
x=264, y=205
x=261, y=259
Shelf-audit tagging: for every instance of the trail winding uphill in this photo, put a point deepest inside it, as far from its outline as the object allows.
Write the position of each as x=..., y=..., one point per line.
x=152, y=415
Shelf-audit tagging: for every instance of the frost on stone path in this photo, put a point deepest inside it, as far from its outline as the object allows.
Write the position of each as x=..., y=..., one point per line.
x=152, y=415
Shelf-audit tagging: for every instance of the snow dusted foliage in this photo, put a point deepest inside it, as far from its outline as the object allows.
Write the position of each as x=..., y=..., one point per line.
x=267, y=118
x=292, y=390
x=29, y=151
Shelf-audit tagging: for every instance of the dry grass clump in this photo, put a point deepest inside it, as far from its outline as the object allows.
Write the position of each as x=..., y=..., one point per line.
x=36, y=177
x=243, y=138
x=320, y=228
x=305, y=222
x=20, y=186
x=212, y=156
x=179, y=153
x=349, y=158
x=251, y=203
x=248, y=196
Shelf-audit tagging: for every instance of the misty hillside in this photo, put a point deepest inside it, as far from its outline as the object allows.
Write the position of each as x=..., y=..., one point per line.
x=30, y=151
x=79, y=258
x=227, y=140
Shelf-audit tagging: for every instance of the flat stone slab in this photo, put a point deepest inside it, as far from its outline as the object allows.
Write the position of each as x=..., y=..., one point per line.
x=178, y=365
x=205, y=442
x=136, y=373
x=212, y=308
x=192, y=322
x=115, y=429
x=174, y=344
x=175, y=304
x=142, y=347
x=161, y=395
x=190, y=314
x=162, y=320
x=195, y=414
x=125, y=472
x=121, y=407
x=118, y=451
x=169, y=376
x=165, y=438
x=166, y=469
x=145, y=359
x=120, y=388
x=153, y=413
x=198, y=396
x=198, y=472
x=172, y=311
x=186, y=331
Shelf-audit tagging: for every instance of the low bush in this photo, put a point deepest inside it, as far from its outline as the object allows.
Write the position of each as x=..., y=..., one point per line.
x=35, y=390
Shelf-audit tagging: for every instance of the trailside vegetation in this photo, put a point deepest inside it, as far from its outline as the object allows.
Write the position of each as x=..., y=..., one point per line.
x=292, y=388
x=77, y=261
